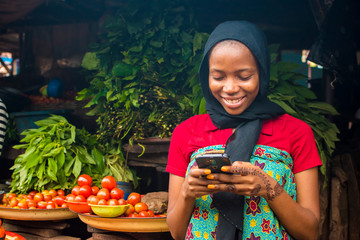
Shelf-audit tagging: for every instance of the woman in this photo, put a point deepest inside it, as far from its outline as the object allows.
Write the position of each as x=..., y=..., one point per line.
x=272, y=192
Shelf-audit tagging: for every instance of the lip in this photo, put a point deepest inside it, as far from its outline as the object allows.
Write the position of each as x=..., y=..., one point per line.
x=233, y=103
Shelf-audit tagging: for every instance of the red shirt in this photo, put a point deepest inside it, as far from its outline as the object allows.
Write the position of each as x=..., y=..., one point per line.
x=284, y=132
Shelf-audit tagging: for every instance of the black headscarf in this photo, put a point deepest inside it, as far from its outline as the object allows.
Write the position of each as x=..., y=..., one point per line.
x=247, y=125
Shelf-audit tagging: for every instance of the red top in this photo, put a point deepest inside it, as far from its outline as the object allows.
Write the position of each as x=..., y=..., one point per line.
x=284, y=132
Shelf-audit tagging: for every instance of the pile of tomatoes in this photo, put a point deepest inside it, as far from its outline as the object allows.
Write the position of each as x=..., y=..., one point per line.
x=47, y=199
x=108, y=194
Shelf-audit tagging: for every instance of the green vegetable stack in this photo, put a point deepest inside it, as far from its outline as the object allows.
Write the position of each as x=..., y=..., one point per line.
x=56, y=154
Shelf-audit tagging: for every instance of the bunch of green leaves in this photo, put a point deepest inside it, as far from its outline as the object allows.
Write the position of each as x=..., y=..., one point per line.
x=147, y=56
x=301, y=102
x=55, y=155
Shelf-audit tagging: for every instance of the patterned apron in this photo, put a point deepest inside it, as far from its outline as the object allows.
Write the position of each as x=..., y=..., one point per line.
x=259, y=220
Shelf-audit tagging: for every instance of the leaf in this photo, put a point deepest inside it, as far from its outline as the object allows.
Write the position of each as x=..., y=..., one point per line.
x=90, y=61
x=77, y=167
x=52, y=169
x=122, y=70
x=324, y=107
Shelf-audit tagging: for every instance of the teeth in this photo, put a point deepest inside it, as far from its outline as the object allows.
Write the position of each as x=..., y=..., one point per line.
x=233, y=101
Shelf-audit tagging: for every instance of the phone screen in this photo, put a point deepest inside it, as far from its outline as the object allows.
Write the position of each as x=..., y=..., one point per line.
x=213, y=161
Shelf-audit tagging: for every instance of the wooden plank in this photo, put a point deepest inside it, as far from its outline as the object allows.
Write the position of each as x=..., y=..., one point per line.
x=43, y=232
x=353, y=197
x=58, y=225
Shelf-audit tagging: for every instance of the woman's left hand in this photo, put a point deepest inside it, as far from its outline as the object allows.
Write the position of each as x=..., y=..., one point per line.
x=247, y=179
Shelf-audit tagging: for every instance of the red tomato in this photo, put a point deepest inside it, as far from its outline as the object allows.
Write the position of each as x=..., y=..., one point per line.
x=108, y=182
x=64, y=205
x=132, y=215
x=131, y=209
x=113, y=202
x=102, y=202
x=103, y=194
x=75, y=190
x=32, y=193
x=139, y=207
x=50, y=205
x=59, y=200
x=93, y=200
x=14, y=202
x=41, y=205
x=70, y=197
x=11, y=195
x=85, y=190
x=31, y=204
x=122, y=201
x=60, y=192
x=84, y=179
x=151, y=213
x=95, y=190
x=38, y=197
x=53, y=192
x=79, y=198
x=22, y=205
x=47, y=197
x=116, y=193
x=144, y=214
x=134, y=198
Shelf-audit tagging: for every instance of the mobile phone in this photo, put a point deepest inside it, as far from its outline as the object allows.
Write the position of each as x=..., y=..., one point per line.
x=213, y=161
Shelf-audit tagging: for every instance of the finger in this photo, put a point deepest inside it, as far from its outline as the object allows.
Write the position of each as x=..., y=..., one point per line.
x=198, y=172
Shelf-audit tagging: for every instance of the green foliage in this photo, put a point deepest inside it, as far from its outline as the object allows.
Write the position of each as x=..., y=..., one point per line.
x=56, y=154
x=302, y=103
x=142, y=70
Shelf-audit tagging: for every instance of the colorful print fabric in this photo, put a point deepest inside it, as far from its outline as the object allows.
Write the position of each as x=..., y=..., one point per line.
x=259, y=220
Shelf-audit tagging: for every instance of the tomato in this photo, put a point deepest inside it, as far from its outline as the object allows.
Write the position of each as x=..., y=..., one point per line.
x=151, y=213
x=31, y=204
x=95, y=190
x=140, y=207
x=14, y=202
x=47, y=197
x=64, y=205
x=2, y=232
x=131, y=209
x=53, y=192
x=93, y=200
x=22, y=205
x=132, y=215
x=50, y=205
x=113, y=202
x=41, y=205
x=79, y=198
x=108, y=182
x=143, y=214
x=122, y=201
x=116, y=193
x=32, y=193
x=102, y=202
x=103, y=194
x=60, y=192
x=70, y=197
x=133, y=198
x=11, y=195
x=45, y=192
x=84, y=179
x=85, y=190
x=38, y=197
x=59, y=200
x=75, y=190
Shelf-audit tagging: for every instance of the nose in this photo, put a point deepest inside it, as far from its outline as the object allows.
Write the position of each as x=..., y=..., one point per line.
x=230, y=86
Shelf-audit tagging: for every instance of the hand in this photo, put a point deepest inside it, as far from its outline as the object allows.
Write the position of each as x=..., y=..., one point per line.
x=195, y=184
x=247, y=179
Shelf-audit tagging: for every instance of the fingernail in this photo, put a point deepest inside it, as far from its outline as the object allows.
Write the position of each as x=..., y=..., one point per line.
x=207, y=171
x=211, y=186
x=210, y=176
x=224, y=169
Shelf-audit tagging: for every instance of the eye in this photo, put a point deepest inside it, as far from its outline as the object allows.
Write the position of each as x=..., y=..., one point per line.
x=244, y=78
x=217, y=78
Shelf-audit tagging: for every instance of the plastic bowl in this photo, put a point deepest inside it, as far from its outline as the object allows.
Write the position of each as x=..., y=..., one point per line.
x=79, y=207
x=109, y=210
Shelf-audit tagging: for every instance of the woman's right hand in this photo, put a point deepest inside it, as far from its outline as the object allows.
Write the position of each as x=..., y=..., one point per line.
x=195, y=184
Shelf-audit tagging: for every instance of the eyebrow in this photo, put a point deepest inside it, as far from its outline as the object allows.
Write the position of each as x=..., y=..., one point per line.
x=240, y=70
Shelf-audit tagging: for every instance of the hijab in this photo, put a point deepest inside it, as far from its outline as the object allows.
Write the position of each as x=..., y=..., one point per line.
x=247, y=125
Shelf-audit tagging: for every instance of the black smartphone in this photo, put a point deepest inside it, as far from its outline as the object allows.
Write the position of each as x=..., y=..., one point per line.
x=213, y=161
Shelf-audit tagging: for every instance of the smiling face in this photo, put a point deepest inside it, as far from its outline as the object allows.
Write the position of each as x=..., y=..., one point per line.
x=233, y=76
